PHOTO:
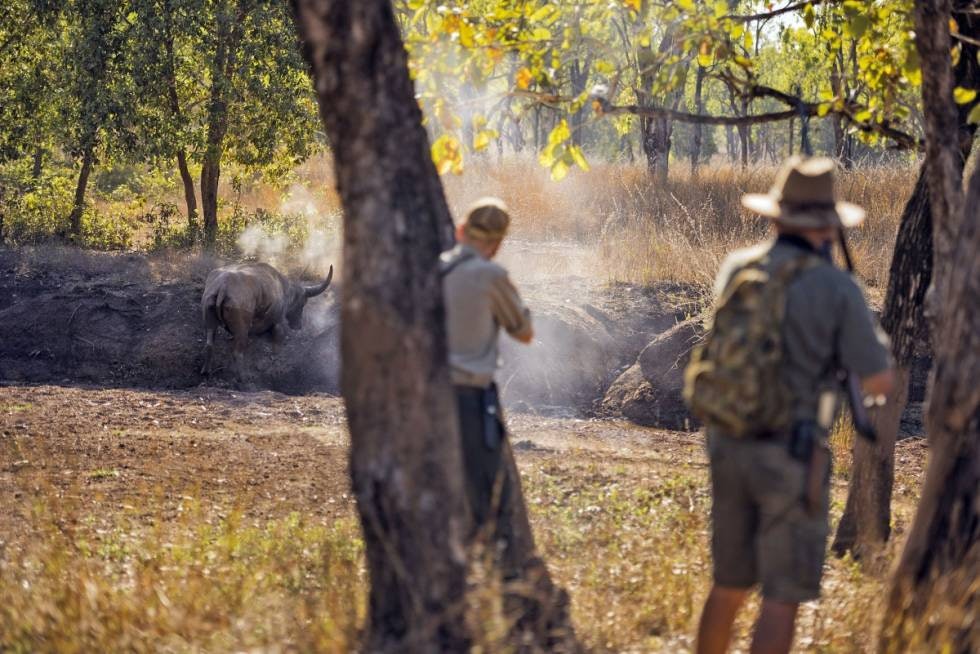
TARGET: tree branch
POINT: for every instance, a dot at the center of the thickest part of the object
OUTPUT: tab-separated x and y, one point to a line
775	12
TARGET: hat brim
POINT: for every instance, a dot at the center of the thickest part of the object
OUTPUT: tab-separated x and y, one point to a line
847	214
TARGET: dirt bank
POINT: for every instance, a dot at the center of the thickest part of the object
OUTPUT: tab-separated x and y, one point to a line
70	317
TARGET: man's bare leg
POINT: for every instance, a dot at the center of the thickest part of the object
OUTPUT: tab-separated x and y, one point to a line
774	628
719	613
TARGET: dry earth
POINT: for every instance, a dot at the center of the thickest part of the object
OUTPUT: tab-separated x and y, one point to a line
104	454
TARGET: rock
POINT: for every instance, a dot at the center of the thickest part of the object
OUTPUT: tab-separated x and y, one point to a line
650	392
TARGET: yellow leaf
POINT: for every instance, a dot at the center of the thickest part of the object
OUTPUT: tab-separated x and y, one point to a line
524	78
963	96
560	133
559	170
447	155
635	5
579	158
483	138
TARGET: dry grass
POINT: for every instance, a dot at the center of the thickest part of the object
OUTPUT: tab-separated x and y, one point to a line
679	232
627	536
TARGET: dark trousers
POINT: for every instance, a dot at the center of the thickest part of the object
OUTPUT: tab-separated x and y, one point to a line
488	489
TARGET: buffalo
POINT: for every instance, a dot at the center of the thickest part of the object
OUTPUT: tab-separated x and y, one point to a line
249	299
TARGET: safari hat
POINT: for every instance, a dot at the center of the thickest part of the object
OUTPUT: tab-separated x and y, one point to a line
487	220
804	196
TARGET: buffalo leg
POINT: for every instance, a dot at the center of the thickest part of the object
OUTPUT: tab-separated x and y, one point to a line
210	327
238	323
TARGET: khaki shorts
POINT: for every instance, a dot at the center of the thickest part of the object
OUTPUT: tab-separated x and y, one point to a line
761	531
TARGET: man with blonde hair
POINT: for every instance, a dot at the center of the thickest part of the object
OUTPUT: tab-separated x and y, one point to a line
480	300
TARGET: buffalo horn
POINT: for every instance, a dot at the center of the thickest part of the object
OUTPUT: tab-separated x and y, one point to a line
320	288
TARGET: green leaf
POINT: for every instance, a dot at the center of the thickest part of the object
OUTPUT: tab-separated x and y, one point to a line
974	116
964	96
858	26
809	16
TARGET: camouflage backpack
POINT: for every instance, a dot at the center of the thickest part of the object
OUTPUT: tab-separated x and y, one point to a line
733	381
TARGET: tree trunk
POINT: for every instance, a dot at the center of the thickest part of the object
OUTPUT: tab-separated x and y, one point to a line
656	146
188	181
405	457
863	528
78	206
38	163
228	35
697	131
656	132
174	101
579	77
935	579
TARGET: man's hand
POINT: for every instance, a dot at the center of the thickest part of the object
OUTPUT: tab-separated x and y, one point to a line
525	336
880	384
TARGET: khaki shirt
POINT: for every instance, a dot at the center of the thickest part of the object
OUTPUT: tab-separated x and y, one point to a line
828	325
480	299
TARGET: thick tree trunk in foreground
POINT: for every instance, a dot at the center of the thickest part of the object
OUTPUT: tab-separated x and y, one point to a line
934	600
406	465
78	206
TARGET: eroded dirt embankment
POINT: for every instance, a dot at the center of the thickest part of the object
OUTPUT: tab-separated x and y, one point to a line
68	316
73	317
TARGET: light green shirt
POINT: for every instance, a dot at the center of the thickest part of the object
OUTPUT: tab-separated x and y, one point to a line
480	299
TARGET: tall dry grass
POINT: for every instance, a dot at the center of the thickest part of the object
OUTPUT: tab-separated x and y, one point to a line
678	232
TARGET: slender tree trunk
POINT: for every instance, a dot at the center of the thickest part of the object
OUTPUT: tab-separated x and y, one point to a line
405	449
656	132
865	526
697	131
189	198
579	77
792	135
174	102
228	35
935	579
78	206
38	163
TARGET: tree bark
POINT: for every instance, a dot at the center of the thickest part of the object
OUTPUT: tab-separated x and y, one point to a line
38	163
656	131
228	35
78	206
864	527
405	459
173	99
697	136
935	579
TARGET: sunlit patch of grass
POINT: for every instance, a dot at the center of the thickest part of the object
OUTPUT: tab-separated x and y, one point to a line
631	544
16	407
103	473
196	584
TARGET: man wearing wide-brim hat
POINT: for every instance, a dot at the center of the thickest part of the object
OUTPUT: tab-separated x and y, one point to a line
769	518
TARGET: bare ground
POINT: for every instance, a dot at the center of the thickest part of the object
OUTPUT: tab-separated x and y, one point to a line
109	454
